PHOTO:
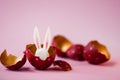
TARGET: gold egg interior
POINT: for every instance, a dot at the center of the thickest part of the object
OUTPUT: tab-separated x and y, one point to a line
62	43
101	48
8	60
51	51
32	47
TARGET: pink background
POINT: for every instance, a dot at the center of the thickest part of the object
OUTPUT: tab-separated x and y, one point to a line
79	20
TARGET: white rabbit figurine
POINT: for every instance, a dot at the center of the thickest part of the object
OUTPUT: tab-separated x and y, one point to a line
42	52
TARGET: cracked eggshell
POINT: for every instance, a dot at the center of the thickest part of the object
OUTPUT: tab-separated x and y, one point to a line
96	53
12	62
61	44
36	61
63	65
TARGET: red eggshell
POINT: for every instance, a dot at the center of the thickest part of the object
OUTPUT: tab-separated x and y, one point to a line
93	55
63	65
18	65
60	53
37	62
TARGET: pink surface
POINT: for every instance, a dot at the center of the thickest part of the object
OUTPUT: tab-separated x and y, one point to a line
78	20
81	70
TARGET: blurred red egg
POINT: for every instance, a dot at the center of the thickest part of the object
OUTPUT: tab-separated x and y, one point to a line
96	53
61	44
76	52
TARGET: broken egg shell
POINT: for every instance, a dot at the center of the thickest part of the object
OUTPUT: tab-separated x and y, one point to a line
37	62
62	44
32	47
60	53
96	53
76	52
12	62
63	65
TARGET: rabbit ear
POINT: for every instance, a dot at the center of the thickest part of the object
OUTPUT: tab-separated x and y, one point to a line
36	37
47	40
